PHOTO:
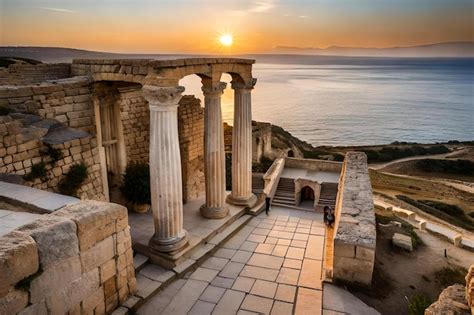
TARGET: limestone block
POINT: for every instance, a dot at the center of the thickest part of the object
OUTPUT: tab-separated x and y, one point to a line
365	253
457	240
13	302
55	237
99	254
90	303
92	218
66	299
18	259
402	241
55	278
108	270
344	250
353	270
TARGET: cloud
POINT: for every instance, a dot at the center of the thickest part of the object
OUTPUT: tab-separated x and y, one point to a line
262	7
58	10
303	16
257	7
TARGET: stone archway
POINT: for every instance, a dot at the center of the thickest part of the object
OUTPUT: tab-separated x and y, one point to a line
290	153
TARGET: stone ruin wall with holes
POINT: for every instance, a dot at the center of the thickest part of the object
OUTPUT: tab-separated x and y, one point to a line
77	260
60	113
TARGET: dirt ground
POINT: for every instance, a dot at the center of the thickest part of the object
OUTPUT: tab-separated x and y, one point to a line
399	275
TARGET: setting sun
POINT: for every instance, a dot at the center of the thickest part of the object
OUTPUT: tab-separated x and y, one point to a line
226	40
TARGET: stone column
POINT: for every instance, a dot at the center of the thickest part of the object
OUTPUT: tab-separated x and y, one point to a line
242	147
165	169
214	154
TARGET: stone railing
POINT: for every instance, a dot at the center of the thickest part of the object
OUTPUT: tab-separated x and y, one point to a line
355	229
313	165
272	177
76	260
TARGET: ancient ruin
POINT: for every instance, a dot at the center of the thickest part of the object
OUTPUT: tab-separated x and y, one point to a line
96	117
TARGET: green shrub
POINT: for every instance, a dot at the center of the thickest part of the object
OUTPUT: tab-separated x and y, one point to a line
418	304
73	180
136	183
54	153
449	275
38	170
460	167
4	111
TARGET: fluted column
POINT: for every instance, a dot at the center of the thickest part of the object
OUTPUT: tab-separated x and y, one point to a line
242	147
165	169
214	154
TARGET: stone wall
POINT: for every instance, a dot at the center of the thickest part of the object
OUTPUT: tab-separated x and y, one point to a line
69	101
23	74
313	165
470	288
136	123
355	229
77	260
24	143
191	142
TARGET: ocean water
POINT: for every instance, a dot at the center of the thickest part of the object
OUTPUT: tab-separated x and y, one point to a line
361	101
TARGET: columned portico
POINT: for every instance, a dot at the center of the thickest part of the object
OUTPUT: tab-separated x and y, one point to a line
165	169
214	154
242	146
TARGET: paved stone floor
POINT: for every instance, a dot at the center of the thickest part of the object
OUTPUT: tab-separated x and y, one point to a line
10	220
273	265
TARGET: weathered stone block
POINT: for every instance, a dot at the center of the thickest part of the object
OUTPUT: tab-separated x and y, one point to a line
55	278
402	241
55	237
353	270
91	217
98	254
18	259
365	253
35	309
344	250
74	293
13	302
108	270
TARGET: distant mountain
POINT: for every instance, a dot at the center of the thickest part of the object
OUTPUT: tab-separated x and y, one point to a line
280	55
447	49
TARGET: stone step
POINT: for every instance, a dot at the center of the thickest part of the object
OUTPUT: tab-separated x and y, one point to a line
292	206
282	197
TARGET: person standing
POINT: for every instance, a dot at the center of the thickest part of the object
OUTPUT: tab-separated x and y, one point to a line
267	204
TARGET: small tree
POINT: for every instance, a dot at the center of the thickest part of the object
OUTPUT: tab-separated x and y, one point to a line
136	183
73	180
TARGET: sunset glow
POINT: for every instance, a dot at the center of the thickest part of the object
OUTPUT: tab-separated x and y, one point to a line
226	40
171	27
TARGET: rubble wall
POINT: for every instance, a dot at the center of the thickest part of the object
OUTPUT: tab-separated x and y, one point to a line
355	229
77	260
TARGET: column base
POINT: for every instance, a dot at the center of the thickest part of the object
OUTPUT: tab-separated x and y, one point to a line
213	213
169	245
239	201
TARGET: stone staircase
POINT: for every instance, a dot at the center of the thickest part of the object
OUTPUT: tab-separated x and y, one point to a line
285	193
328	195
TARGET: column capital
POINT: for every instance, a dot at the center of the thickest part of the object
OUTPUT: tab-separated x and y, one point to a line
162	97
214	89
244	86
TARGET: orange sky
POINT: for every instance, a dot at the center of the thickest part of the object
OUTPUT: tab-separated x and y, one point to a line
191	26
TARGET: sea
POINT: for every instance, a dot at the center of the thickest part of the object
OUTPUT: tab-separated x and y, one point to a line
360	101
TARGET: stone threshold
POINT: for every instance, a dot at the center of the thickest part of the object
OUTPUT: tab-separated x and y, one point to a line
152	278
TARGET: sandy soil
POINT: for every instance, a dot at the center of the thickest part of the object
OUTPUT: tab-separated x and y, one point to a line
399	274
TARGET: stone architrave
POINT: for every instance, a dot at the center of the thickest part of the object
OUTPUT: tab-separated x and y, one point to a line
165	169
214	154
242	146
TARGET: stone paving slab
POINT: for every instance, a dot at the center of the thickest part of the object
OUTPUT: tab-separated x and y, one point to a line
10	220
37	199
251	273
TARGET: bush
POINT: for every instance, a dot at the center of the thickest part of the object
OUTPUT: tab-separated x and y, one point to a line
73	180
460	167
393	153
448	276
136	183
38	170
418	304
54	153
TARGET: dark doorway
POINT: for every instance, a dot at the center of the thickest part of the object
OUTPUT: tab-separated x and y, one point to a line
291	153
307	193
